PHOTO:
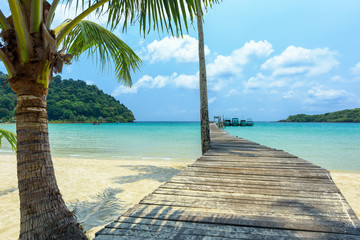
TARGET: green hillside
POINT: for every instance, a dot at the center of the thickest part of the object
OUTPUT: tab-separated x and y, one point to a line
70	101
349	115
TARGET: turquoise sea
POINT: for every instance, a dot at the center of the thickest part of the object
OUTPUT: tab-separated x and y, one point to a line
335	146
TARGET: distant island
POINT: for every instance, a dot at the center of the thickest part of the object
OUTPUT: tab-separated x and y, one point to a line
70	101
349	115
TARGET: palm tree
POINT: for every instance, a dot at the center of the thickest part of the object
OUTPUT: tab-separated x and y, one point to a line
10	137
204	111
32	52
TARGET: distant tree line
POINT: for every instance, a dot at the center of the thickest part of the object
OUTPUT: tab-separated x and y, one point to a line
70	101
349	115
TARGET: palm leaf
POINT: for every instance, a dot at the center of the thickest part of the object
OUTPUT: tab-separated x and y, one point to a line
97	41
10	137
169	15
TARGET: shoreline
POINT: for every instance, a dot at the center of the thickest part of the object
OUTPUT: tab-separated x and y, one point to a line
101	190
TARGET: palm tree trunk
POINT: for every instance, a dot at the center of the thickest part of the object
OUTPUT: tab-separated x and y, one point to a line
44	214
204	111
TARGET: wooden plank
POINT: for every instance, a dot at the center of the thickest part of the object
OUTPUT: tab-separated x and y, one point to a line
171	230
264	191
262	160
292	207
252	159
264	172
245	197
241	190
256	165
254	181
255	177
249	153
227	217
288	207
228	231
258	185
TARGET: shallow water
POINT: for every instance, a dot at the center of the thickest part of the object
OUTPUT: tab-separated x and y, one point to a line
146	141
331	145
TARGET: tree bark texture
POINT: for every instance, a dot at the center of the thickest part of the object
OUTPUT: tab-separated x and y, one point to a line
44	214
204	111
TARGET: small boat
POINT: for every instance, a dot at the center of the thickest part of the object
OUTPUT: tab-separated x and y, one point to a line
242	123
249	122
96	123
227	122
235	122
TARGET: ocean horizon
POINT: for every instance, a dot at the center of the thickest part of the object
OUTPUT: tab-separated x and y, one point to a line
334	146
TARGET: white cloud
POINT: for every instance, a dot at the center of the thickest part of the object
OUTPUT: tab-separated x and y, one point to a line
148	82
233	64
185	49
255	83
288	95
217	85
319	94
338	79
232	92
181	49
187	81
145	81
89	82
356	69
301	61
212	100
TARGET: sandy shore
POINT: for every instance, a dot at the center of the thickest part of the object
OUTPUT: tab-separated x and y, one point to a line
100	190
349	184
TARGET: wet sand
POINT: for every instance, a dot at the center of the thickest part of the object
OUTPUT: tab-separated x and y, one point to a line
101	190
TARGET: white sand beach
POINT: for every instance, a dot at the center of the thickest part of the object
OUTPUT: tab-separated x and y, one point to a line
349	184
100	190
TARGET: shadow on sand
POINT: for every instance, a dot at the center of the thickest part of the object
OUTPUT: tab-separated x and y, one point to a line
103	208
160	174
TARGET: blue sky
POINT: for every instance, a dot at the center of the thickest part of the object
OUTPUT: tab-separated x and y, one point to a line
265	60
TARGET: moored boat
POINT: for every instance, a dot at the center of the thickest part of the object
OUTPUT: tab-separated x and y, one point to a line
242	123
235	122
249	122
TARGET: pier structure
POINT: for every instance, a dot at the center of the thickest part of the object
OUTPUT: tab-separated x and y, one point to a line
241	190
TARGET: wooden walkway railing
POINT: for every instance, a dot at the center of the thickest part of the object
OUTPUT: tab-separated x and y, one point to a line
241	190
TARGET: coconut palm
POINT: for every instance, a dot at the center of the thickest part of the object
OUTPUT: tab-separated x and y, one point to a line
32	51
10	137
204	110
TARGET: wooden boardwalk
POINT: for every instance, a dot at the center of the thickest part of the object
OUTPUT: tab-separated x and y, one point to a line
241	190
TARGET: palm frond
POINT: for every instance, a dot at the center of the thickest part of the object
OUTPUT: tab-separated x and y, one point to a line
22	33
36	15
163	15
3	22
10	137
97	41
61	26
51	13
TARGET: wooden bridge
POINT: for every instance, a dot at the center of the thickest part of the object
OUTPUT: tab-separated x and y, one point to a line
241	190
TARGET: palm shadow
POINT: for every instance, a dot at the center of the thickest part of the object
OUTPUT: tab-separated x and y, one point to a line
160	174
103	208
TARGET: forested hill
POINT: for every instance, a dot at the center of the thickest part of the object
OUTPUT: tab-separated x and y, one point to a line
350	115
70	101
